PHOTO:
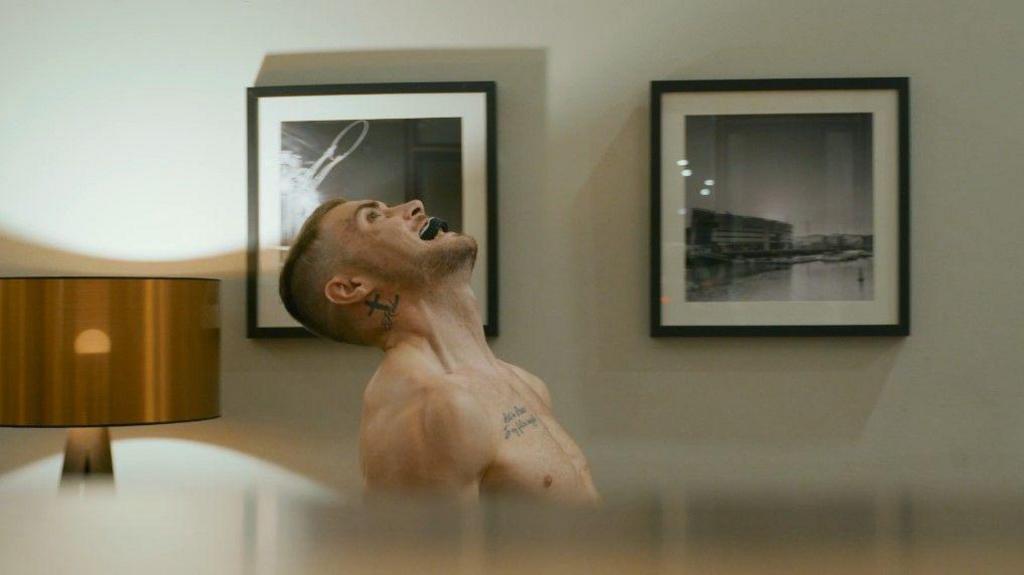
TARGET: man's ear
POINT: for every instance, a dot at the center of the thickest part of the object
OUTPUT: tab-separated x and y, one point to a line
344	290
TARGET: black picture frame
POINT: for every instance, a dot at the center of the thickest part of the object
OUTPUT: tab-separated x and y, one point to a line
487	161
701	96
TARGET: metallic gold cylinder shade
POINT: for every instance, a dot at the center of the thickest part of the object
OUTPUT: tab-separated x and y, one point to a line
85	351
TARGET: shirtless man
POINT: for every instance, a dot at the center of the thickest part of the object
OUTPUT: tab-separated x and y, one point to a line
441	414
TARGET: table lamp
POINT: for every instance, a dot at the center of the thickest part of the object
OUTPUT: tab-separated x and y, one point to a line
88	353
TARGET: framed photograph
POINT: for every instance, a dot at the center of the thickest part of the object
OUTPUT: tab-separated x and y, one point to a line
780	207
434	142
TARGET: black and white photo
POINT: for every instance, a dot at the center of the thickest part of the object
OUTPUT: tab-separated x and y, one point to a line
389	142
779	207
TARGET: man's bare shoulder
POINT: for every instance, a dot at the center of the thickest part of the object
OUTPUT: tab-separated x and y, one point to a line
421	428
436	398
536	384
399	374
455	419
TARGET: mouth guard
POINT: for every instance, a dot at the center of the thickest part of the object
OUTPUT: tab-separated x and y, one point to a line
434	225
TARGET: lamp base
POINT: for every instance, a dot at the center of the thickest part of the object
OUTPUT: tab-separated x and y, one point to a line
87	455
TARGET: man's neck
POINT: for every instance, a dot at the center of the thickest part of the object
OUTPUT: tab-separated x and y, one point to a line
444	323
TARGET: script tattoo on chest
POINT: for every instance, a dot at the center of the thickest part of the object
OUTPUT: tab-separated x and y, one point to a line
389	309
517	421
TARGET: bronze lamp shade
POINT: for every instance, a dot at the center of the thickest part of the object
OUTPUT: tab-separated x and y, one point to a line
90	352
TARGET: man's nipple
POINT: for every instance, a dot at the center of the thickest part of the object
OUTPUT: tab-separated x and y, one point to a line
547	481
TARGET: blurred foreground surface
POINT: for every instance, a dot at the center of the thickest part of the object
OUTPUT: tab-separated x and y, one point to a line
97	529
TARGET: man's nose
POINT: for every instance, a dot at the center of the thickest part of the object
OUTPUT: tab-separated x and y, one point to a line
412	209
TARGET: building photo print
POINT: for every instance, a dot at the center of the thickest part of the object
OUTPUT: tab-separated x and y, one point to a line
779	207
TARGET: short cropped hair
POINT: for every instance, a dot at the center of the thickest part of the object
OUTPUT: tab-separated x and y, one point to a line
309	265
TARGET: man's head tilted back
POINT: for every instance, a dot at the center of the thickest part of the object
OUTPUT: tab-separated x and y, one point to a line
352	258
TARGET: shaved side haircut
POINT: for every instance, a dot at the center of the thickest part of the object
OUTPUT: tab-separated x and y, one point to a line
310	264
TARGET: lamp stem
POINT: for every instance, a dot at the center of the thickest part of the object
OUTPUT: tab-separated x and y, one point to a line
87	455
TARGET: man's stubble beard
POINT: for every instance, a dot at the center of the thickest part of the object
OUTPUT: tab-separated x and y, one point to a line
442	262
457	257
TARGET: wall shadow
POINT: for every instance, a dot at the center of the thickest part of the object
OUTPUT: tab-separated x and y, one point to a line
779	391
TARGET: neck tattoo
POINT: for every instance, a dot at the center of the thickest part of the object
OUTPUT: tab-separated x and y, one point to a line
390	310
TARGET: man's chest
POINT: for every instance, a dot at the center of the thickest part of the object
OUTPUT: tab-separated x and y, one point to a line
535	454
527	450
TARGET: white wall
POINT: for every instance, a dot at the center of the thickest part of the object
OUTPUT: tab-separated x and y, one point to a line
122	150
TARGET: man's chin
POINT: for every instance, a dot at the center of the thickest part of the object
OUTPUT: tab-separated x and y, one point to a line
452	253
463	246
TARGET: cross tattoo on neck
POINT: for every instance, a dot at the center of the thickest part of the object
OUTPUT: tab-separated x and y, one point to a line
389	309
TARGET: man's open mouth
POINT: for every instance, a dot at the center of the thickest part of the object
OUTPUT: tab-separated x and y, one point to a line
432	228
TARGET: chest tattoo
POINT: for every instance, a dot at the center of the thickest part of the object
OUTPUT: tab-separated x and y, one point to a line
517	421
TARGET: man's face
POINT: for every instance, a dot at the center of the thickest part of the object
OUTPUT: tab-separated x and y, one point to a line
387	241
